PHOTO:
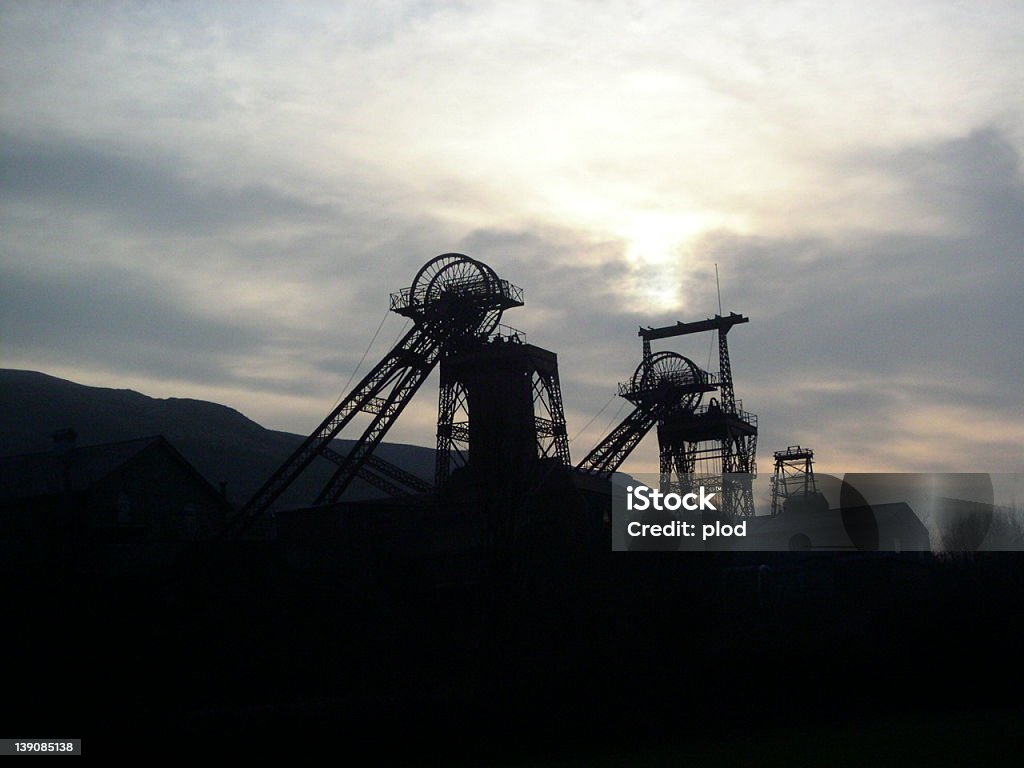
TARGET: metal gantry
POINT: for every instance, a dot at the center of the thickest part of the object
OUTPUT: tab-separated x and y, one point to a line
714	445
499	409
794	476
711	444
664	383
453	301
500	405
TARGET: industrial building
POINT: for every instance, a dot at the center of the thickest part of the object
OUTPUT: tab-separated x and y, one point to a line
131	505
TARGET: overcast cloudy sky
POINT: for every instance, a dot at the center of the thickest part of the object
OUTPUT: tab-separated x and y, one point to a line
214	200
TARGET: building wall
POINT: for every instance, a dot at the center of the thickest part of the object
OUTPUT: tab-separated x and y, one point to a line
154	493
139	517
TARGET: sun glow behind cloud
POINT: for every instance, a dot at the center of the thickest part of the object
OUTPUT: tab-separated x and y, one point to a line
642	122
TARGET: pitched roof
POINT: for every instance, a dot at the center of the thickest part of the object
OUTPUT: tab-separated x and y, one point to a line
32	475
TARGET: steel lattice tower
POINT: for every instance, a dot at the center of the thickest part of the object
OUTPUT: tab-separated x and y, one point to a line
500	408
794	476
712	445
455	303
664	383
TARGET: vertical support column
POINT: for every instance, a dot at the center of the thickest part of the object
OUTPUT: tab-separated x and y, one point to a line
666	457
450	433
732	495
552	390
725	388
445	416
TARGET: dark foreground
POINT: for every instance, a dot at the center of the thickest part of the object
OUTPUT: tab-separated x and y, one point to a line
529	658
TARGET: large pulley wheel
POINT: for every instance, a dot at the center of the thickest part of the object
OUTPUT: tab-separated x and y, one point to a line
668	376
453	287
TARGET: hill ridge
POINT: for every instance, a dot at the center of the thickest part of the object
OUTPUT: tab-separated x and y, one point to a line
222	442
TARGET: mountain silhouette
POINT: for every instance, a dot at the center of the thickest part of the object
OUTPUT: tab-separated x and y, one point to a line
223	444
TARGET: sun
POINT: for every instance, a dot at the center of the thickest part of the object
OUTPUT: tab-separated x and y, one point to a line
659	246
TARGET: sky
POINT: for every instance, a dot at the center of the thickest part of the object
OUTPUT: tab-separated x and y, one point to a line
214	200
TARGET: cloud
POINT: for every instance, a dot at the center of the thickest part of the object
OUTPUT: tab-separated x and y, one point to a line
118	318
222	197
856	334
136	194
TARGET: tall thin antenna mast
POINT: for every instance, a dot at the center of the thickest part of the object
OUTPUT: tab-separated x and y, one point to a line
711	339
718	287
